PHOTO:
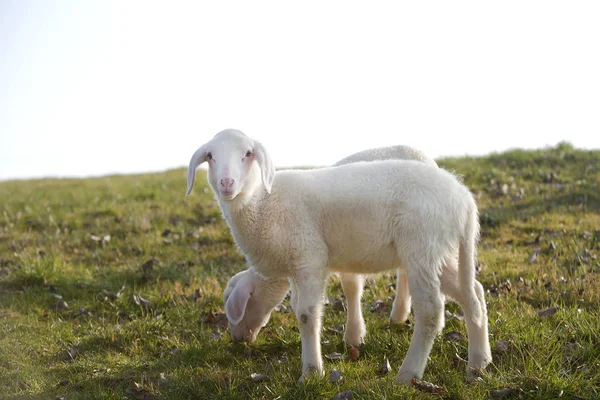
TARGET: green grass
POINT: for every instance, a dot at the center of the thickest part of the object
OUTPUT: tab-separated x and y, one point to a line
51	243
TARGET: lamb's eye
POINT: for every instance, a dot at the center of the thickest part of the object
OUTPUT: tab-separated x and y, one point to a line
209	156
248	153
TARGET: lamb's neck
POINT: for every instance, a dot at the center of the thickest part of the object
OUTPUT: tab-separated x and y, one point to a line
243	217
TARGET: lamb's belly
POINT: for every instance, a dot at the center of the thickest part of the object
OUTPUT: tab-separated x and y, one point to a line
365	260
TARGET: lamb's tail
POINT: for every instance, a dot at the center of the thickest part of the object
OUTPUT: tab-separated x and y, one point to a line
466	266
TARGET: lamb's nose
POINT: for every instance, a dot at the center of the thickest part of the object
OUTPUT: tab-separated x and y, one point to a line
227	182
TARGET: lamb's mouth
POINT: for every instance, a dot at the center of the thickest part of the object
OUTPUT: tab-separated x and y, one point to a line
228	196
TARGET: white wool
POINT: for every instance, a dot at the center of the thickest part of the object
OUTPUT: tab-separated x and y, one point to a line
364	217
257	312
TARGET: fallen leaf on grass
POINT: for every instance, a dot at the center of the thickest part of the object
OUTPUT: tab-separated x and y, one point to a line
339	329
533	257
161	381
386	368
148	266
346	395
427	386
378	307
197	294
144	223
276	362
216	335
338	305
501	346
336	376
174	220
259	377
72	352
455	335
548	312
449	315
138	393
504	392
572	351
216	319
61	305
140	301
103	239
79	312
122	317
111	296
101	371
336	356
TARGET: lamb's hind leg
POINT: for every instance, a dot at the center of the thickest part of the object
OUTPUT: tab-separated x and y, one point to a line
352	284
479	346
401	306
428	306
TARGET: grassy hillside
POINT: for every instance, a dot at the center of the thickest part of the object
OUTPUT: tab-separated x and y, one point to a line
111	288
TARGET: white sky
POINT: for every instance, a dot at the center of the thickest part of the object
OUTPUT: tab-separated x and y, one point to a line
96	87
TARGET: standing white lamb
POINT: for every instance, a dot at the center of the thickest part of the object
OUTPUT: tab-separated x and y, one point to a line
257	315
356	218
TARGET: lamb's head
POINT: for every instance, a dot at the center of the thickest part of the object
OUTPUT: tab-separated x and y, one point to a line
236	164
249	300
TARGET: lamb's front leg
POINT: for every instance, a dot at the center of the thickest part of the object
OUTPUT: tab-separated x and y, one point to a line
308	312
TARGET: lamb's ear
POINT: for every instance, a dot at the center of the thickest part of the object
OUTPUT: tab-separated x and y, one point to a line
198	158
233	281
266	165
235	308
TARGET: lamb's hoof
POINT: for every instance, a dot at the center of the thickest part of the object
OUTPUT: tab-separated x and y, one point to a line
400	314
404	378
311	373
474	375
477	365
355	334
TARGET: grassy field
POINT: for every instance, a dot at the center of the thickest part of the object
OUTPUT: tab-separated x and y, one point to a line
111	288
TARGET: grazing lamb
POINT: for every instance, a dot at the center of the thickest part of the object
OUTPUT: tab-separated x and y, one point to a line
355	218
257	315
